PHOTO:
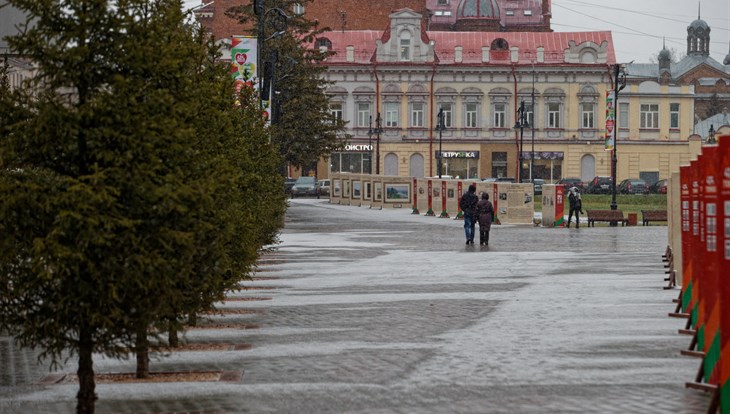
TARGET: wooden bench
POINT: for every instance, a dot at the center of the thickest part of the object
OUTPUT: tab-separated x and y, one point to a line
606	215
653	215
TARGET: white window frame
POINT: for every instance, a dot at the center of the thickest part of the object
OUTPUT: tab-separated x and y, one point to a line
337	109
499	115
364	111
418	115
392	114
587	115
623	115
649	116
674	115
404	47
298	9
471	115
553	115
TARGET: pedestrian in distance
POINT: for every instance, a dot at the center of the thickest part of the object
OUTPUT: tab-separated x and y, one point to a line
575	205
468	205
485	215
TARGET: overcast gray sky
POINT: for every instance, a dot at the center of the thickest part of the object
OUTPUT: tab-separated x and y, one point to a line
638	26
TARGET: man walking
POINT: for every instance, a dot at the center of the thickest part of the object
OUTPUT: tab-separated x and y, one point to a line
468	205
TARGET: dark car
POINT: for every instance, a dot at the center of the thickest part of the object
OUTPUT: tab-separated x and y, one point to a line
567	183
599	185
304	186
659	187
633	186
288	184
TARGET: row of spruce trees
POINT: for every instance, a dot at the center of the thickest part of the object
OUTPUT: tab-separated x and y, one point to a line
135	193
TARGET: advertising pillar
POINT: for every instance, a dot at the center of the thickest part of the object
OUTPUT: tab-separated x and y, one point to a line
415	196
444	213
723	257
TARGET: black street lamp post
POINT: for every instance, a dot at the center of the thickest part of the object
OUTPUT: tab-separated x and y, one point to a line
370	146
265	65
440	127
378	130
711	135
618	85
521	125
532	125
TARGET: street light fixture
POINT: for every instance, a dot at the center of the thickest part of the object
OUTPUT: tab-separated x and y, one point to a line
619	84
711	135
440	127
265	68
521	125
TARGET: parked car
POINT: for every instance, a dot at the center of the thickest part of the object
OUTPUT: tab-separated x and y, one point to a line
567	183
506	180
288	184
304	186
323	187
633	186
537	184
659	187
599	185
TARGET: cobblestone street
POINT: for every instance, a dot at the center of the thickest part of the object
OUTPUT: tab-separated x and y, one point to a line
382	311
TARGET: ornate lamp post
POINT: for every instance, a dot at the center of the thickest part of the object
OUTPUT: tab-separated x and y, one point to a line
370	145
711	135
378	130
521	125
618	85
265	65
440	127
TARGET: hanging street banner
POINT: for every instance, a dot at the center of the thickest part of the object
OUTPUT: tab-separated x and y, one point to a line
243	61
610	120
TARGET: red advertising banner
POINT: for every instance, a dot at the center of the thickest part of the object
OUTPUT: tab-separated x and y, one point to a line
415	196
723	257
559	206
444	213
708	333
685	197
430	199
459	193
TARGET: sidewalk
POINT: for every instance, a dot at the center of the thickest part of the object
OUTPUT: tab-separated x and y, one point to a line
381	311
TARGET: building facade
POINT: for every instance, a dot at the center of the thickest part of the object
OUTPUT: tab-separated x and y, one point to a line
405	75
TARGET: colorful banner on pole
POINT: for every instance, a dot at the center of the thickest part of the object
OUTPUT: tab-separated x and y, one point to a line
610	120
244	54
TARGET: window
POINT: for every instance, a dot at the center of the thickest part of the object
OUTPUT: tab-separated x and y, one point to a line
500	115
674	115
443	2
363	115
298	9
650	116
336	111
405	47
324	43
391	115
553	115
418	115
587	115
510	13
471	112
623	115
527	12
448	114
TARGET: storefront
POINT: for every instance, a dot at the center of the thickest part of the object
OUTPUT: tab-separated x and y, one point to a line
459	164
355	159
547	165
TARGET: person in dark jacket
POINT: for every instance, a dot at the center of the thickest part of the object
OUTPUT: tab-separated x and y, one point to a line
485	215
469	205
575	205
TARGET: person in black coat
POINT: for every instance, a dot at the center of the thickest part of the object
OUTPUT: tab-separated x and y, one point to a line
485	215
575	205
468	205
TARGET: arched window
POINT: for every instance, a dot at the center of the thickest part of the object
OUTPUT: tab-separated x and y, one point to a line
404	46
390	164
587	167
415	169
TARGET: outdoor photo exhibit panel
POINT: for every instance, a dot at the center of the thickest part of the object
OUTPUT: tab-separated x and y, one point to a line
704	204
553	214
674	225
515	203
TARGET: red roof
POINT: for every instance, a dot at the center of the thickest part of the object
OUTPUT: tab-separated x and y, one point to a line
554	44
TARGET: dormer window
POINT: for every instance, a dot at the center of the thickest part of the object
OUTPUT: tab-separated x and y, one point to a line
405	46
324	44
298	9
528	12
443	2
509	12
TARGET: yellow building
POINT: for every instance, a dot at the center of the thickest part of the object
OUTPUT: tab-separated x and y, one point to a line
391	86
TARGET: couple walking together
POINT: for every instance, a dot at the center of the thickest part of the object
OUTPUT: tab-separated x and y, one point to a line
477	210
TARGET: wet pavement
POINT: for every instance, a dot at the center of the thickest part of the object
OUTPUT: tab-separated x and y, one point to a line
382	311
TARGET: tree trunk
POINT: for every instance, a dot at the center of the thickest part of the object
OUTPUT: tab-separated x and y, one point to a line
172	339
87	388
143	350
